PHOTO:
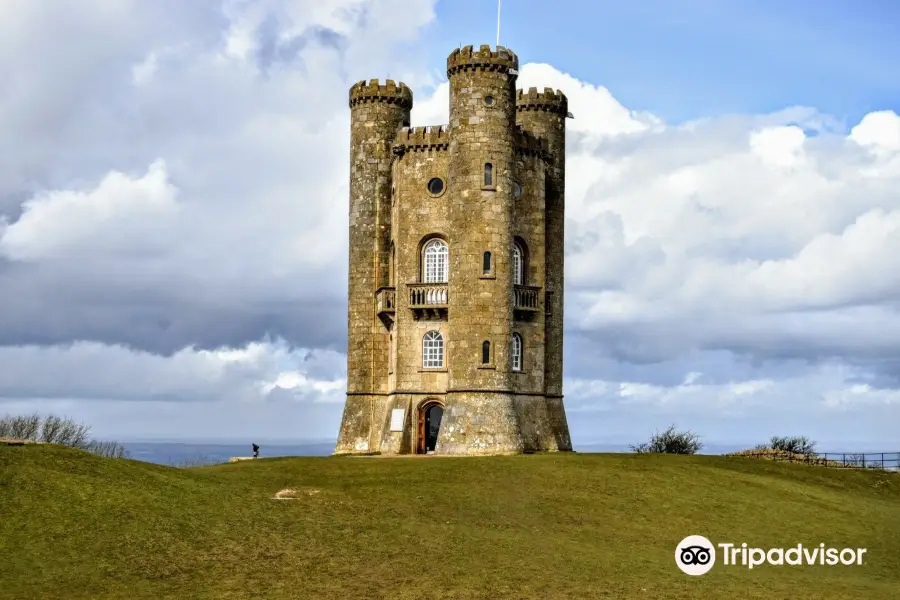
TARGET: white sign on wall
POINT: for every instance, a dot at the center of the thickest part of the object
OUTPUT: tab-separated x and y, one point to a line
397	419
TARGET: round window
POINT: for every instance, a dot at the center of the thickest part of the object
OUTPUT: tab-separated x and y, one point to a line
489	100
435	186
517	190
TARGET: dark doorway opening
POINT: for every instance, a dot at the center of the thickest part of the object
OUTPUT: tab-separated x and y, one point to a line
429	426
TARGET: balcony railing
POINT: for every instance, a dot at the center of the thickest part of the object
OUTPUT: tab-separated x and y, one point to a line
427	295
386	305
428	300
386	300
525	298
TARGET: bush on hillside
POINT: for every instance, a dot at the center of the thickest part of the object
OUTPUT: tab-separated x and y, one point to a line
671	441
797	444
52	429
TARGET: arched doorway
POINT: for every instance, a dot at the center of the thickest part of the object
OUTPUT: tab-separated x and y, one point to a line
430	414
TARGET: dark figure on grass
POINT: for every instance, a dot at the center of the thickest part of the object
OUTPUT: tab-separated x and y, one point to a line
255	451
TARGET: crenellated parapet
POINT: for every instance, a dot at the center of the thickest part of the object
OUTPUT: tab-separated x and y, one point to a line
548	101
389	93
527	144
484	59
417	139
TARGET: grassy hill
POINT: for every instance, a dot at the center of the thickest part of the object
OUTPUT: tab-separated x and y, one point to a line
74	525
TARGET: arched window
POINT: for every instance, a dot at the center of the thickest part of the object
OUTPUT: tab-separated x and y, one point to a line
516	352
436	261
488	174
433	350
486	265
486	353
518	265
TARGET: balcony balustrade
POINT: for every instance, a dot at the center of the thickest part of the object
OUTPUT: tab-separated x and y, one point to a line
525	301
386	305
428	300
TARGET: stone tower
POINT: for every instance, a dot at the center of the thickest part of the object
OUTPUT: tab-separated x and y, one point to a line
455	323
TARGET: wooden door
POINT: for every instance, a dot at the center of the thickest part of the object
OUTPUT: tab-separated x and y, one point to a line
420	438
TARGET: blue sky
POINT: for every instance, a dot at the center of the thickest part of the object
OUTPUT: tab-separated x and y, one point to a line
173	209
688	59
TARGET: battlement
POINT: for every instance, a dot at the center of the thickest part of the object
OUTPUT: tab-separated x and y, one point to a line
463	59
389	93
414	139
530	145
548	100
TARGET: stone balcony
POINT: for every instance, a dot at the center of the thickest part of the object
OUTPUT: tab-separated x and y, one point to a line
525	301
386	304
428	300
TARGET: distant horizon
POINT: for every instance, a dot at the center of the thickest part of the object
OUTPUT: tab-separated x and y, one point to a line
829	446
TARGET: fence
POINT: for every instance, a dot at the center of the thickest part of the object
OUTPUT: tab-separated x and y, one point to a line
845	460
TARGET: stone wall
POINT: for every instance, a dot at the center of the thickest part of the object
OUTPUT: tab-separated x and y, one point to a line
528	229
377	111
480	423
482	131
419	216
544	115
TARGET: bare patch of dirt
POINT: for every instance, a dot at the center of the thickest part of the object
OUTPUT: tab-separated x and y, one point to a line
5	441
294	494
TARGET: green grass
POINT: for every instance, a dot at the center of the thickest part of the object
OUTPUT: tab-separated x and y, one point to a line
74	525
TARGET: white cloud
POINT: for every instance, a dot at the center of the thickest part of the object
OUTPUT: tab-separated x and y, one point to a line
861	394
172	188
91	371
596	112
142	73
122	208
879	130
779	146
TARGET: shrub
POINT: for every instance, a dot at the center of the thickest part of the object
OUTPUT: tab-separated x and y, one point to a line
797	444
670	441
52	429
23	427
854	460
107	449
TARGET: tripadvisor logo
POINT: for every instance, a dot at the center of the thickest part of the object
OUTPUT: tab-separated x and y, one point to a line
696	555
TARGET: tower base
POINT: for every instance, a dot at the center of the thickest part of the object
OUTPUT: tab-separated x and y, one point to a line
471	424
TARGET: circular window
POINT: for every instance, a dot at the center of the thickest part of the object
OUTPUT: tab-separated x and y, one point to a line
489	100
436	186
517	190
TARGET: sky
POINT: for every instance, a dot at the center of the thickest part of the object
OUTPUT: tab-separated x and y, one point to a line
174	204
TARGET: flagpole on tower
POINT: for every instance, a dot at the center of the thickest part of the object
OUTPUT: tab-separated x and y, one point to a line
498	21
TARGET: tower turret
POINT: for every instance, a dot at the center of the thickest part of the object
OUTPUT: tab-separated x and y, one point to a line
377	112
482	134
544	114
482	160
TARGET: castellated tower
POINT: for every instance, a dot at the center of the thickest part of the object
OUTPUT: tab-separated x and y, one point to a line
455	317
